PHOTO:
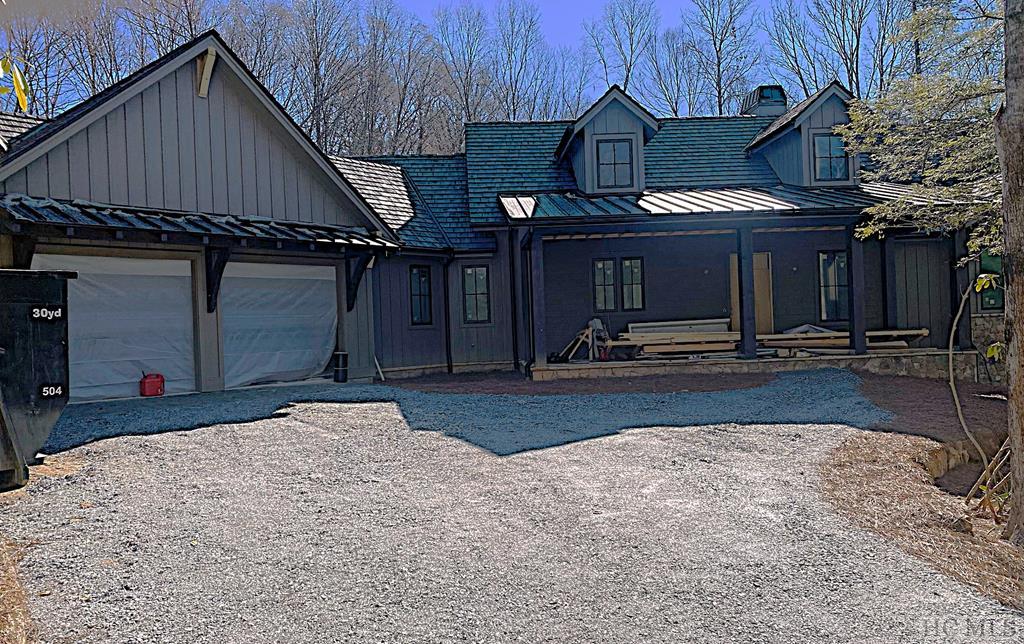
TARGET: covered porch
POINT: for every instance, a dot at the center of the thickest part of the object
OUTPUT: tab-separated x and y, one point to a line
730	289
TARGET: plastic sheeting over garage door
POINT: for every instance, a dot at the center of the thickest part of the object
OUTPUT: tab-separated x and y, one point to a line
127	317
278	321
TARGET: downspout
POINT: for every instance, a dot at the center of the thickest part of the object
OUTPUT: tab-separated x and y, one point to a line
448	314
512	251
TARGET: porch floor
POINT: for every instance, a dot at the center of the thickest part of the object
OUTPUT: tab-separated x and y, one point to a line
922	363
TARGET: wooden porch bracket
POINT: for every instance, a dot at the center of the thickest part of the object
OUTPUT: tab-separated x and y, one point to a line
355	269
540	356
215	258
855	279
748	315
204	69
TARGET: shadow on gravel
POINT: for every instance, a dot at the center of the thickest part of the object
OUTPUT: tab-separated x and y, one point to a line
501	424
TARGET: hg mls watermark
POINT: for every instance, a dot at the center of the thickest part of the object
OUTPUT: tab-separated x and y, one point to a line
959	628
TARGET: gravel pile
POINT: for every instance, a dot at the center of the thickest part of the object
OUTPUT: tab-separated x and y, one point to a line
331	521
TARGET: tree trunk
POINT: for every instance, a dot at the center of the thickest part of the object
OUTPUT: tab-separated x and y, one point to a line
1010	139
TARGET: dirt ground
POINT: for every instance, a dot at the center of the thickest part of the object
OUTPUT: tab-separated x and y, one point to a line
880	482
516	384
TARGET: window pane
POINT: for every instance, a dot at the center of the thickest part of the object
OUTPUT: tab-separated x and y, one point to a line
821	146
623	176
839	168
824	167
481	280
834	290
606	176
605	152
991	263
483	309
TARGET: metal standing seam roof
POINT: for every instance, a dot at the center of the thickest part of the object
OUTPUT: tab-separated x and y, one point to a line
778	199
17	210
441	181
395	200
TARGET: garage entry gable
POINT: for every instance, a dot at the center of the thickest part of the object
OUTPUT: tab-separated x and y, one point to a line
193	131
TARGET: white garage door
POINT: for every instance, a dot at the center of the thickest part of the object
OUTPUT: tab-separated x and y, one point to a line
126	317
278	321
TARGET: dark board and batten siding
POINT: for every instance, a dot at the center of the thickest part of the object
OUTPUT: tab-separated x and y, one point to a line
483	345
168	148
400	343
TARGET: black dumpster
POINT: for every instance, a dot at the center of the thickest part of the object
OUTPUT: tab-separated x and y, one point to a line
33	365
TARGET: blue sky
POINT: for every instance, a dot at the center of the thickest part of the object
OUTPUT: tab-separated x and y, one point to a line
562	20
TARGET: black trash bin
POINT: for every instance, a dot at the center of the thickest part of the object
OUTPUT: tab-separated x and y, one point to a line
33	365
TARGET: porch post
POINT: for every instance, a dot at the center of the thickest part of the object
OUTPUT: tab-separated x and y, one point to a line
540	356
855	279
745	270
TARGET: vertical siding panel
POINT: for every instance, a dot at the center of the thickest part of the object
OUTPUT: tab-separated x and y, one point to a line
304	209
277	180
247	135
37	177
233	159
99	171
291	189
204	186
185	79
169	140
264	181
153	146
117	147
60	177
17	182
78	157
218	147
135	150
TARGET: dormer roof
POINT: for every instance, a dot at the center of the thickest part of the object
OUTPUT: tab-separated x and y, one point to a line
799	112
614	93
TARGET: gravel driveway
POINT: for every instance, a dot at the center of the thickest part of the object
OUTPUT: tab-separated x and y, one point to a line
438	517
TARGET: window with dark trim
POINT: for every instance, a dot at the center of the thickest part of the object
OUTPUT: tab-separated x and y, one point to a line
834	285
830	160
992	298
476	295
420	295
604	285
632	284
615	163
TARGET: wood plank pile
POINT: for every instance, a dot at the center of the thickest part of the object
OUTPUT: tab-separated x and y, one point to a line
786	344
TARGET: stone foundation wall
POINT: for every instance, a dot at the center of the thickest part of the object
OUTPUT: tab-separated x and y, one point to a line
920	364
987	328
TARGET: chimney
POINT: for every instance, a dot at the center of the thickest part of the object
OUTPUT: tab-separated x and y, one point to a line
765	100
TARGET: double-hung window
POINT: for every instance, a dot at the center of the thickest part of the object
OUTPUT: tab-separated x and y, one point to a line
830	160
632	284
834	286
615	163
604	285
420	295
992	298
476	295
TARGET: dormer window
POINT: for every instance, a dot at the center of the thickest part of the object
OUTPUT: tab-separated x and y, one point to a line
615	164
830	160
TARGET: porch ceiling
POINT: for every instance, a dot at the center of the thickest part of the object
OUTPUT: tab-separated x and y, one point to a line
777	200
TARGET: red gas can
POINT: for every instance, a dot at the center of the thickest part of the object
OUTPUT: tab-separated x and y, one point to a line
152	384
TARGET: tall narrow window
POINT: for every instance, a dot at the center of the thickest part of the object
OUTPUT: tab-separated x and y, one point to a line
615	163
834	283
476	295
604	284
992	298
632	284
830	160
420	296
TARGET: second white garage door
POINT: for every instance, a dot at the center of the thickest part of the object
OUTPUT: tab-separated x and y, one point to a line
278	321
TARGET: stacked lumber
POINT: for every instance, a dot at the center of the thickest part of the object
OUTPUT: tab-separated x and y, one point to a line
831	342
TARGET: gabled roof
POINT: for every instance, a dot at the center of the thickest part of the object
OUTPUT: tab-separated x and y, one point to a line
614	93
792	117
39	140
395	200
14	125
441	181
